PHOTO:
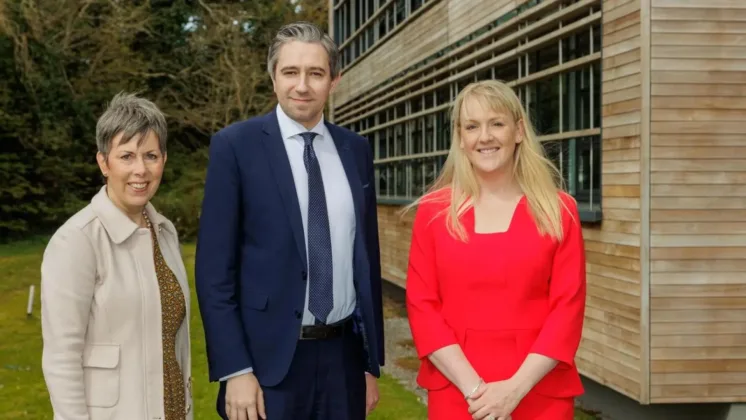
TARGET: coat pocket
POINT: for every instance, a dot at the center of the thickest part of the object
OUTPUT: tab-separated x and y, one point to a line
101	375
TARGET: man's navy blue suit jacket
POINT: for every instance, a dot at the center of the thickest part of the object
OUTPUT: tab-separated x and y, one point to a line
251	258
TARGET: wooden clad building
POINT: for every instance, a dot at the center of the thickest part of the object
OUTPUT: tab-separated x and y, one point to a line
641	104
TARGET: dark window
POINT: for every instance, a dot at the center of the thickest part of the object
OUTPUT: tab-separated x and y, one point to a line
418	178
415	129
383	144
401	11
400	176
444	130
430	133
544	105
577	99
543	59
507	72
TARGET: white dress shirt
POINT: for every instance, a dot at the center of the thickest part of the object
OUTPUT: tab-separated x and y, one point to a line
339	206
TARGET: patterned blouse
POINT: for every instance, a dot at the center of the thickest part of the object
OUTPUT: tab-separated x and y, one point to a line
173	311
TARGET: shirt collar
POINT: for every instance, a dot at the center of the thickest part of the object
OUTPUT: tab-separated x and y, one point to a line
290	127
117	224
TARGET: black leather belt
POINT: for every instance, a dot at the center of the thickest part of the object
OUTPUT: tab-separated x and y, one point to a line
322	332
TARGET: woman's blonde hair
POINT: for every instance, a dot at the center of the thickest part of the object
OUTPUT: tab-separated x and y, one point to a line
536	175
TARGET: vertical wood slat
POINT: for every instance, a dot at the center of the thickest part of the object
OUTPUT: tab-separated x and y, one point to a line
645	49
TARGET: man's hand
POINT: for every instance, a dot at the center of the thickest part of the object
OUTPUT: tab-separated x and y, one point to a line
244	399
371	393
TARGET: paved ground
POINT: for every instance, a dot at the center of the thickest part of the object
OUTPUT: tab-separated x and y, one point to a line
401	358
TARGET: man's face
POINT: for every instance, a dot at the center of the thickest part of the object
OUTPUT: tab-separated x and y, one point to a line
303	82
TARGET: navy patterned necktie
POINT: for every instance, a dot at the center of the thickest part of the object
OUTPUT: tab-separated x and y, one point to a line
320	299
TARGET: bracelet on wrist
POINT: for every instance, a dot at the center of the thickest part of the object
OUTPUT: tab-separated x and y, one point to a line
467	396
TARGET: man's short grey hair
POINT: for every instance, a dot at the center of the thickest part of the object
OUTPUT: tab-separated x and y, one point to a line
303	32
132	116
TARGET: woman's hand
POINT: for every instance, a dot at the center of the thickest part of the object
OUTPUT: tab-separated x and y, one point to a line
498	399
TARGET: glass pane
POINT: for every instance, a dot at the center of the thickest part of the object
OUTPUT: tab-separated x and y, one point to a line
415	105
588	169
577	100
507	72
545	110
544	58
429	100
382	25
383	143
596	94
400	180
418	183
416	133
429	133
444	131
400	143
431	172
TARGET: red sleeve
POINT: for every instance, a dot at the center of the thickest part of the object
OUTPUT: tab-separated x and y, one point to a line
429	330
560	336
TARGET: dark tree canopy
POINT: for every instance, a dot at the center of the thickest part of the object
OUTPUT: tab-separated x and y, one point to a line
203	63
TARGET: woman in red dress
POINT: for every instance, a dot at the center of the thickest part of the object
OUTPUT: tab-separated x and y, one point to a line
496	277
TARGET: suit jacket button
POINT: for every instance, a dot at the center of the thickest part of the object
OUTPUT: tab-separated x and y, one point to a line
305	275
298	314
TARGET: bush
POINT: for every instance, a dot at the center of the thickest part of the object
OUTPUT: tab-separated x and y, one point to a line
181	199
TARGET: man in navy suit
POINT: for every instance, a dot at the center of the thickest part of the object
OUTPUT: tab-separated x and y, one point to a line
288	273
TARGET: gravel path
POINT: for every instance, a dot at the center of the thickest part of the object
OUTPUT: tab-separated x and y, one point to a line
401	358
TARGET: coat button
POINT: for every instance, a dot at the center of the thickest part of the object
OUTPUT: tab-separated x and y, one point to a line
298	314
304	275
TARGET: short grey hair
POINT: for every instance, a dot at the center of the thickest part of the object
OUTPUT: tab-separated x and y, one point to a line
303	32
130	115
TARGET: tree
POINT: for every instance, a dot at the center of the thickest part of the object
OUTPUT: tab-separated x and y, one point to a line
202	62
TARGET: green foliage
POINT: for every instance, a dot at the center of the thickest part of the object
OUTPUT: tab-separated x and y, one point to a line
181	200
203	63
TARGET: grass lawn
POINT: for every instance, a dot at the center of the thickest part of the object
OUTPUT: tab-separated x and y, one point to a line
23	393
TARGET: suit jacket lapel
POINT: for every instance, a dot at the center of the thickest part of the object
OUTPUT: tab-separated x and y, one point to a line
353	176
275	146
356	187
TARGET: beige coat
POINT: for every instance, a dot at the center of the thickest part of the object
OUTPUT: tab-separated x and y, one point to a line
101	316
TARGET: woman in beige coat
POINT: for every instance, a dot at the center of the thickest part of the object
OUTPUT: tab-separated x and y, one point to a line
115	298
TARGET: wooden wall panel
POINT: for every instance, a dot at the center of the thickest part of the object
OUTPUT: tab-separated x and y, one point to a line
698	201
444	23
611	348
395	234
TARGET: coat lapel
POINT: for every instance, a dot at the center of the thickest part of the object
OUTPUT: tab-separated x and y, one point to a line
280	165
353	176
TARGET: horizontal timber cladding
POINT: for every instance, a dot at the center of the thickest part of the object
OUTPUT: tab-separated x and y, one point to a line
587	111
613	349
698	201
